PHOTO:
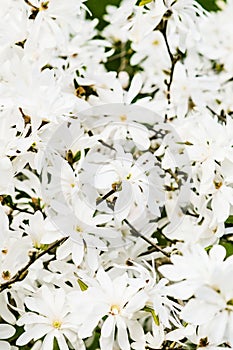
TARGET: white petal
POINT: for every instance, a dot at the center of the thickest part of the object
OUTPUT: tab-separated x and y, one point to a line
221	207
123	202
24	338
48	342
122	335
4	345
61	342
139	135
217	253
108	326
135	87
137	302
6	331
77	253
92	258
107	342
198	312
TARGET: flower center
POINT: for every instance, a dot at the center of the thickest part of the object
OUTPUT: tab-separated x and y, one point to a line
115	310
217	184
123	118
57	324
78	229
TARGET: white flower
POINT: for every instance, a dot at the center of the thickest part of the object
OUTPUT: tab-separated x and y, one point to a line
50	318
116	299
88	233
131	178
40	230
192	269
212	309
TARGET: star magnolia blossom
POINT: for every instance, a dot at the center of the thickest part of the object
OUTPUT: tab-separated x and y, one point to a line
211	306
116	175
116	299
50	317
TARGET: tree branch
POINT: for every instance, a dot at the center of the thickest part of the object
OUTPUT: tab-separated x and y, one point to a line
174	59
139	234
22	273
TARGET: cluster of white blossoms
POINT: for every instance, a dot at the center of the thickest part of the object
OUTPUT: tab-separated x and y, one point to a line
116	185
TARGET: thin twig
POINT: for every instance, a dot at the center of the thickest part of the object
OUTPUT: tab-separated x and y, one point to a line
137	233
106	145
101	199
174	59
21	274
30	4
219	116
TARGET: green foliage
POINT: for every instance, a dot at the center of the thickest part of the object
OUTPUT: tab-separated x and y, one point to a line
144	2
55	344
95	344
228	246
82	285
229	220
209	5
98	9
152	311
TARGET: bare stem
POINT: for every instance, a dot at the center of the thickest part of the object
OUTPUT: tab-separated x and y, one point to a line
22	273
174	59
139	234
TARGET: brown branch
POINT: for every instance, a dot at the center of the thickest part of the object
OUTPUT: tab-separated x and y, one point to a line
22	273
139	234
174	59
101	199
220	116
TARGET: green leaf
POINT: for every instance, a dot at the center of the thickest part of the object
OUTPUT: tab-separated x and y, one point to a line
83	286
144	2
207	249
152	311
77	157
229	220
95	343
55	344
228	246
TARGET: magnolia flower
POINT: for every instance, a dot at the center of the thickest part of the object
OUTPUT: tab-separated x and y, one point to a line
130	177
212	308
117	300
192	270
182	15
49	317
40	230
52	22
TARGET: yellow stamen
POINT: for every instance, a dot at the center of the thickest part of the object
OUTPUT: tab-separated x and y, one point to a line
114	310
217	184
123	118
57	324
